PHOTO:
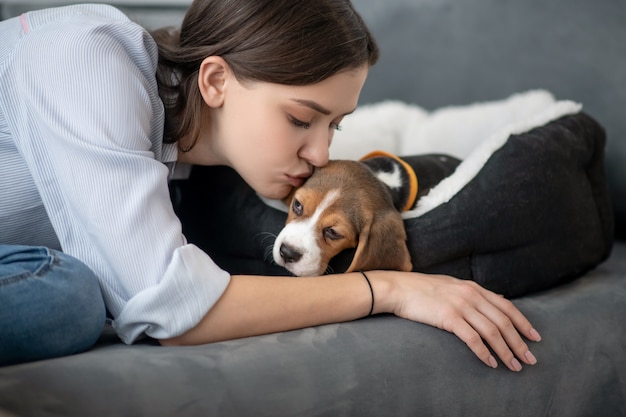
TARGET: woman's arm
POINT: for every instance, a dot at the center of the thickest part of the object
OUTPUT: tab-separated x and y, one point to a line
253	305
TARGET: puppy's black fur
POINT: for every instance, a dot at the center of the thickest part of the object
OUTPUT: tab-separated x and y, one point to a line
430	170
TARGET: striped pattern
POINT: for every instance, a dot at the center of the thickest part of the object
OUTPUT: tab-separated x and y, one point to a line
83	167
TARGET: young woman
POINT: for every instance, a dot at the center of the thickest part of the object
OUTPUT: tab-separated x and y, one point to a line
94	115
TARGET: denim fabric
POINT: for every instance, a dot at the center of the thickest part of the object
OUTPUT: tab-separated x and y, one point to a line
50	304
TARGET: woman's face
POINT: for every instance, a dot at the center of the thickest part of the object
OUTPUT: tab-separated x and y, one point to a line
273	135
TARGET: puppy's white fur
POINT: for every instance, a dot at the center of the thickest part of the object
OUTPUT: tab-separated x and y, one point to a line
301	236
392	179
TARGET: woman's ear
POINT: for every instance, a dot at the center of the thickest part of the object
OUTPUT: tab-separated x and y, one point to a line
213	77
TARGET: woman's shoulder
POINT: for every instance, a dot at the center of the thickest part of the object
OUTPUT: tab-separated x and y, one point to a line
85	65
78	15
90	26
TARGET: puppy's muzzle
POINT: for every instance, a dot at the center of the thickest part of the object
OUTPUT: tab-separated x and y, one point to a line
289	254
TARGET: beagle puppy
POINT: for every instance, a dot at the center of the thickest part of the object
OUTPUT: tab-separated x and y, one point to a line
356	204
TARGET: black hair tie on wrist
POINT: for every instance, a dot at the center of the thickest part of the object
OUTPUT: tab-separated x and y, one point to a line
371	291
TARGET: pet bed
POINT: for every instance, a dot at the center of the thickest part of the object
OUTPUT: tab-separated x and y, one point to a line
527	208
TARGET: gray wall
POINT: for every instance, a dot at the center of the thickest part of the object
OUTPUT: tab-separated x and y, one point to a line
453	52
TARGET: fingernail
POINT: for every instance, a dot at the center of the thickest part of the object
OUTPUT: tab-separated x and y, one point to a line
534	334
493	362
531	358
516	365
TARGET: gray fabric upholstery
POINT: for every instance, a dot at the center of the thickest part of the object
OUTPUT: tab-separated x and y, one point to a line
434	53
381	366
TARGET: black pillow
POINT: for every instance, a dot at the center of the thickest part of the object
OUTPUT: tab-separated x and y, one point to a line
537	214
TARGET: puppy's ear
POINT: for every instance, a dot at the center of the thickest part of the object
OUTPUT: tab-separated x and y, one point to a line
382	244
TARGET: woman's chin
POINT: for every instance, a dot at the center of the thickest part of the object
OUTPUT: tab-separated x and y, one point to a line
275	193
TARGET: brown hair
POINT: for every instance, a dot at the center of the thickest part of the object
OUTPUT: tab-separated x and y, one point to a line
290	42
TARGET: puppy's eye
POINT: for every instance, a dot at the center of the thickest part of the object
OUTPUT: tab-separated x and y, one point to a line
297	207
331	234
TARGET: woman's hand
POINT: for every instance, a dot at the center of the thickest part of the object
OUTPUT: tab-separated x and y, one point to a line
477	316
253	305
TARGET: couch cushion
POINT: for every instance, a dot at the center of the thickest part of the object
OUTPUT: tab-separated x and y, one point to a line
380	366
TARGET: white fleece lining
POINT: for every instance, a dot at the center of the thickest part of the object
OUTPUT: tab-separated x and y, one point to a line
471	165
471	132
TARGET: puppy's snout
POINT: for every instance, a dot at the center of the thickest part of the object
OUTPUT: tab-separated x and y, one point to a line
289	254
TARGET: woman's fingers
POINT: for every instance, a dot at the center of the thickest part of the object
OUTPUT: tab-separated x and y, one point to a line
481	318
498	323
511	322
504	340
520	322
464	331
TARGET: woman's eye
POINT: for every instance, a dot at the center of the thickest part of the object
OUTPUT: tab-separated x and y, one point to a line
299	123
297	208
331	234
335	126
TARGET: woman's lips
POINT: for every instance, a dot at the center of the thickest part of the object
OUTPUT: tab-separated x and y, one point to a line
298	180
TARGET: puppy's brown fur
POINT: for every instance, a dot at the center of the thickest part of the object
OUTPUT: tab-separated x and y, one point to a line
362	216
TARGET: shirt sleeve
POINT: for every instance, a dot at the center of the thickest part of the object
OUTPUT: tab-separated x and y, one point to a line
89	124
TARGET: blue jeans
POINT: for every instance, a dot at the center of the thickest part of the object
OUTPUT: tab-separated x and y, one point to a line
50	304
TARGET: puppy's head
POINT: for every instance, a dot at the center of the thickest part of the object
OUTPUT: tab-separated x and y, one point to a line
342	205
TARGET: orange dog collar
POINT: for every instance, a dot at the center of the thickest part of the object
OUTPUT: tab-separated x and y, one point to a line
413	183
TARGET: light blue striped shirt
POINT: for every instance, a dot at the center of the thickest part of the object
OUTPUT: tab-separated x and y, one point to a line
83	167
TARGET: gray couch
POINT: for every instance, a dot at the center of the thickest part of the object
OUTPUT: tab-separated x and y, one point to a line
435	53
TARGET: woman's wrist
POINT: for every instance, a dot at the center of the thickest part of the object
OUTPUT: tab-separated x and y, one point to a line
382	289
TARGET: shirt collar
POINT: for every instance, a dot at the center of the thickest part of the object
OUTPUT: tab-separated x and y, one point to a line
169	152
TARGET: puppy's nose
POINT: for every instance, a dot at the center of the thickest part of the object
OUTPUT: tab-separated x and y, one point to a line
289	254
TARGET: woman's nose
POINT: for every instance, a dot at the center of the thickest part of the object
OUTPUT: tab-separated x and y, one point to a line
316	150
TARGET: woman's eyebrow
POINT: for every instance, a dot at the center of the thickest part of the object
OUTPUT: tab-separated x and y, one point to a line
315	106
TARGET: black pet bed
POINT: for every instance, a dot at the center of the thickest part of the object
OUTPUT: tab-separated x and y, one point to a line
526	210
